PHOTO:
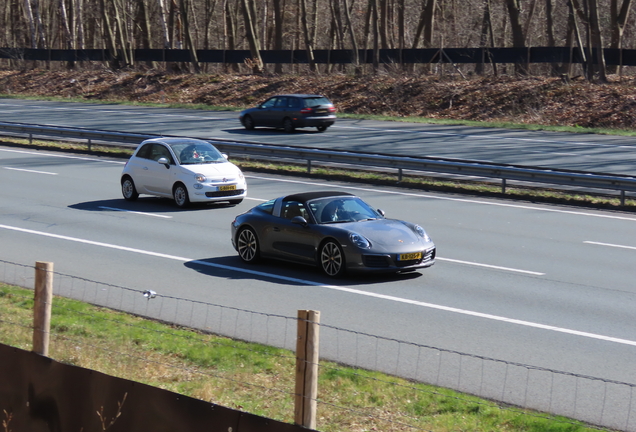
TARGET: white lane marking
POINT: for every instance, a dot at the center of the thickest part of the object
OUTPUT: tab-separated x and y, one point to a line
466	200
136	212
337	288
29	108
611	245
64	156
417	195
30	171
486	136
491	266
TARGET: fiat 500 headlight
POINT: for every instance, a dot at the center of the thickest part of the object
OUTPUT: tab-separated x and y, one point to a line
200	178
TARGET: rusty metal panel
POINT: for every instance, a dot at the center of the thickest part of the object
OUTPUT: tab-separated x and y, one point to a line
43	395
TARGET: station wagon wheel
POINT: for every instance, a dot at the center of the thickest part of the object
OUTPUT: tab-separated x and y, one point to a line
332	260
128	189
248	122
180	194
288	126
321	128
247	246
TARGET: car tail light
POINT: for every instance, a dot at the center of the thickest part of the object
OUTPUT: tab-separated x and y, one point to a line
332	109
306	110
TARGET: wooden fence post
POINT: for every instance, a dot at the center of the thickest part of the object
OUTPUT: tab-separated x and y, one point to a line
307	368
42	307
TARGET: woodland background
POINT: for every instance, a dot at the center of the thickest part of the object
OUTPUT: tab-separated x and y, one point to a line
585	95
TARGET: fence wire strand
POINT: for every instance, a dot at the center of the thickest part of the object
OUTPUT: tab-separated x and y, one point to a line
198	322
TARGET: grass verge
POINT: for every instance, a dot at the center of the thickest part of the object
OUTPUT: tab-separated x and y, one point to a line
252	377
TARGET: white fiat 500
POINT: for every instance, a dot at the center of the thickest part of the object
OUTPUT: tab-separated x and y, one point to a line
185	169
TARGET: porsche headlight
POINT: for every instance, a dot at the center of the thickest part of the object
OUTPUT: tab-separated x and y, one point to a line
359	241
200	178
420	231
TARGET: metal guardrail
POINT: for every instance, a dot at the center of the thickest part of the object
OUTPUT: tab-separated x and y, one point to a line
576	179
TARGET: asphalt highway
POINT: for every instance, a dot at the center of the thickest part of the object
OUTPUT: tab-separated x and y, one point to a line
529	284
586	152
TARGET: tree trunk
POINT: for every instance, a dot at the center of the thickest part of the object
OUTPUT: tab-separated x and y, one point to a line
518	37
194	61
307	36
256	61
110	37
354	44
79	24
376	37
67	31
597	39
574	10
279	7
618	19
31	23
164	25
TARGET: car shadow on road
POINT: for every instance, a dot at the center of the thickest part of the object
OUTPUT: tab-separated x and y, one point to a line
231	267
270	131
151	205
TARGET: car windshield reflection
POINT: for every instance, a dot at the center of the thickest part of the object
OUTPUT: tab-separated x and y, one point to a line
194	154
341	210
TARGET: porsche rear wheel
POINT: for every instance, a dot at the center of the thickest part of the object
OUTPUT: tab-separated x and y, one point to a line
332	260
247	246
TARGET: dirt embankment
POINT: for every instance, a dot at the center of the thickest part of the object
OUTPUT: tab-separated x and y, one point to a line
535	100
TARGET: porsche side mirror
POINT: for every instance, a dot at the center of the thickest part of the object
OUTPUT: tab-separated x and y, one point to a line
381	212
299	220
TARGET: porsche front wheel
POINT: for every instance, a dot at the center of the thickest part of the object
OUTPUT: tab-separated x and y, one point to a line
332	260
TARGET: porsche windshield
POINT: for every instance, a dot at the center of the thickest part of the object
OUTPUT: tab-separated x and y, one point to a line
341	209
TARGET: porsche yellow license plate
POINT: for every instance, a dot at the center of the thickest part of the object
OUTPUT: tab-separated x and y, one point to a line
410	256
227	188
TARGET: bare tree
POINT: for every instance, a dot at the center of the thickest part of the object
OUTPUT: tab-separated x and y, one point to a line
279	7
252	38
164	24
596	38
309	40
618	20
194	61
31	23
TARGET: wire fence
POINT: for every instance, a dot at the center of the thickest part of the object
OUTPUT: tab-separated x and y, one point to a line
229	355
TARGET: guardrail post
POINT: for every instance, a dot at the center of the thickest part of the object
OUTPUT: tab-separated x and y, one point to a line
400	174
89	144
30	139
307	368
42	307
503	185
622	198
308	166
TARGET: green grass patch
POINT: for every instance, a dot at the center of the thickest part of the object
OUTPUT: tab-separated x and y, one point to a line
252	377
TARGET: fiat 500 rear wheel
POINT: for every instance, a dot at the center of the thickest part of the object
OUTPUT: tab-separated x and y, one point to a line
332	260
247	245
